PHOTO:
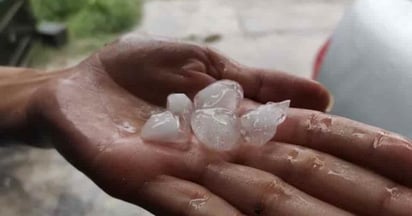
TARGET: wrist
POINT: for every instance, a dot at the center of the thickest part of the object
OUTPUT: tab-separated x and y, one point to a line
17	89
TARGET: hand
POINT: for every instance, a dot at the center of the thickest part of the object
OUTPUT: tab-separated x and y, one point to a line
316	165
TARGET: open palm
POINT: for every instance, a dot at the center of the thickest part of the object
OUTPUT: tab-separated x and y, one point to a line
316	165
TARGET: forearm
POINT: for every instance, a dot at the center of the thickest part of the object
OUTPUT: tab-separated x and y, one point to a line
17	86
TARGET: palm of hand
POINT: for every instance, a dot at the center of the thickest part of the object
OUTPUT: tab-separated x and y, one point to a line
97	109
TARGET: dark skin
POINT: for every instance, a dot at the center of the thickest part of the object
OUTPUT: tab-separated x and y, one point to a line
316	165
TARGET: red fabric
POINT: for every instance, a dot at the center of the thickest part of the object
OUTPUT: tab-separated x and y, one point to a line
319	59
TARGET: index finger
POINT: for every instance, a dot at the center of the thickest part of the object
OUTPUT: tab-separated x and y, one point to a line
385	152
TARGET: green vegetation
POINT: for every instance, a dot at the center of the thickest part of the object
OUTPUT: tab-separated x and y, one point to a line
91	24
57	10
89	17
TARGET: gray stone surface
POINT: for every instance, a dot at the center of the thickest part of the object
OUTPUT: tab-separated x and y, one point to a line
277	34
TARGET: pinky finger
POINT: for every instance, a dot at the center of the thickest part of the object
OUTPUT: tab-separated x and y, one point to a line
167	195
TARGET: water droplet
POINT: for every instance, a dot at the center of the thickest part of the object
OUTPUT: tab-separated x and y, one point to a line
340	175
377	141
393	191
198	203
292	155
317	163
359	135
321	124
127	127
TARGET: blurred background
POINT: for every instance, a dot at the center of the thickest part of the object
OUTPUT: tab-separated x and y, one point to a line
43	33
51	34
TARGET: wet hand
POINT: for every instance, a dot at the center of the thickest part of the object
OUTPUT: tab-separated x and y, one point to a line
316	165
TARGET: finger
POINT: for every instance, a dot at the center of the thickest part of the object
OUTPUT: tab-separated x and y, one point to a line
265	85
190	81
166	195
331	179
256	192
382	151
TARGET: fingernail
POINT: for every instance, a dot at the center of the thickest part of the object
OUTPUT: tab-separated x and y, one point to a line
331	103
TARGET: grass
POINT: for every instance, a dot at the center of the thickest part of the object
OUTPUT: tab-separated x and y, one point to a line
86	18
91	24
56	10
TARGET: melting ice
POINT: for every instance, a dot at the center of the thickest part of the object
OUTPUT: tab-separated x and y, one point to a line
164	127
221	94
217	128
258	126
213	118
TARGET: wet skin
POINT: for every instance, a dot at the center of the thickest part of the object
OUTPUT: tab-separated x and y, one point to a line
317	164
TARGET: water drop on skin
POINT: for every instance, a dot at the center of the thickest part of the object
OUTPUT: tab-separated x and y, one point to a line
127	127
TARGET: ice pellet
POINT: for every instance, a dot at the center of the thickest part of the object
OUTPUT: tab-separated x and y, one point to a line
164	127
258	126
213	119
179	104
216	128
182	106
221	94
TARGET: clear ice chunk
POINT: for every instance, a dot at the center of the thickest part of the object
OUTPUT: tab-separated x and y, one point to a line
180	105
213	119
259	126
216	128
164	127
221	94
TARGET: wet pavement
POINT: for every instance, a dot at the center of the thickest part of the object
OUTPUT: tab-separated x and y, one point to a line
275	34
